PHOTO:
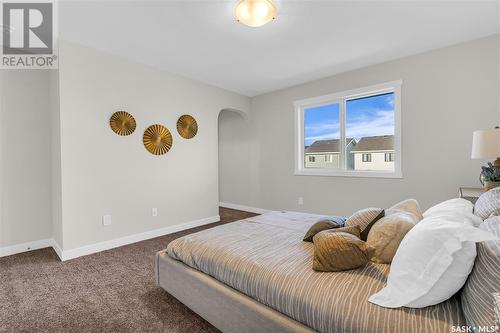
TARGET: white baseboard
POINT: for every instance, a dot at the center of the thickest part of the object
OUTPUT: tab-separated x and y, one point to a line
244	208
25	247
106	245
57	248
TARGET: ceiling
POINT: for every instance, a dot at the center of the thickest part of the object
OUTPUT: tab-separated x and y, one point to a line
308	40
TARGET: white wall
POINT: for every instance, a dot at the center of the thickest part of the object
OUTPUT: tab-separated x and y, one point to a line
25	157
103	173
446	94
55	126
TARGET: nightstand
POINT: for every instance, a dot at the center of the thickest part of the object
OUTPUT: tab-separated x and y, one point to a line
470	193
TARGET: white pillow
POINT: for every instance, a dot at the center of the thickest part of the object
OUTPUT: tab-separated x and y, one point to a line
457	205
432	262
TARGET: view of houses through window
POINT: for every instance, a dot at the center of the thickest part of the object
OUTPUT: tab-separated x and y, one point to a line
368	129
322	136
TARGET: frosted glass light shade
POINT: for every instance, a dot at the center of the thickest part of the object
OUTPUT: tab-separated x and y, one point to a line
255	13
486	143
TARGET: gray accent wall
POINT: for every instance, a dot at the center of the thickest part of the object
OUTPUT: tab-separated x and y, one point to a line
446	95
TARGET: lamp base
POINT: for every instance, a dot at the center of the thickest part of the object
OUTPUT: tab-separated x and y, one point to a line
496	163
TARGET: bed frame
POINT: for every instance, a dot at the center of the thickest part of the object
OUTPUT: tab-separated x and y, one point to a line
222	306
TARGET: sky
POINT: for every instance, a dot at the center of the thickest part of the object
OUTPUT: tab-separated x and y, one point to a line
367	116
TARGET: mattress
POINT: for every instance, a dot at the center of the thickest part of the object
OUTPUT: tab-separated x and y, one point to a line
265	258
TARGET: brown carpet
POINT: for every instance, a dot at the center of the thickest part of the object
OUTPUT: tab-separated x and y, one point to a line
110	291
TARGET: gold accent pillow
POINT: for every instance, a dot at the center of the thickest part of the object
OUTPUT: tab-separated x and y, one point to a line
365	219
339	250
387	233
324	224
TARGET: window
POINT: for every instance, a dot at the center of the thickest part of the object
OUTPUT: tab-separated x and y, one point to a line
322	133
356	131
312	159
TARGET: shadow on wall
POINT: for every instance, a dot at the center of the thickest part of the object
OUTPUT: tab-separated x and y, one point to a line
238	159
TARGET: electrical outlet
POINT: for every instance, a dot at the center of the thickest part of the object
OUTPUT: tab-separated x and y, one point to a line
154	212
106	220
301	201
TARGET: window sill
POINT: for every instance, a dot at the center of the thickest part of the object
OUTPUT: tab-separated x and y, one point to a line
348	173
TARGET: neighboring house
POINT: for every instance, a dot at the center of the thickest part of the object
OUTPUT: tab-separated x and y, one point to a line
326	154
374	153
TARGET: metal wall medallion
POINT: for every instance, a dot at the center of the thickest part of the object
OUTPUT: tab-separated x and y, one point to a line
187	126
157	139
122	123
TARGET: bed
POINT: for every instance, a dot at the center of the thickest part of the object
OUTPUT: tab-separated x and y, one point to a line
255	275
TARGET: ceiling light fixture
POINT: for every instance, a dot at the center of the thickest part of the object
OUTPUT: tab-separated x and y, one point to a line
255	13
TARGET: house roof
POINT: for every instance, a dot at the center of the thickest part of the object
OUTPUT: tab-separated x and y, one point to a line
326	146
374	143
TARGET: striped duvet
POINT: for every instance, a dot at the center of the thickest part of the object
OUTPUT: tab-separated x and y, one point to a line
265	258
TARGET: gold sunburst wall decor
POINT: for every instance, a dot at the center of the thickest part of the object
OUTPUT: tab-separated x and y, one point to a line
157	139
187	126
122	123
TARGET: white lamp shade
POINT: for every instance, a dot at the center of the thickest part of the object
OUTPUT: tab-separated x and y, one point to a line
486	144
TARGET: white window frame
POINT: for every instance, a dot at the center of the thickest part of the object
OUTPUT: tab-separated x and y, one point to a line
341	98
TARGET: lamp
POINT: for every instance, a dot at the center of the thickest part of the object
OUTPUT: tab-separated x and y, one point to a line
255	13
486	144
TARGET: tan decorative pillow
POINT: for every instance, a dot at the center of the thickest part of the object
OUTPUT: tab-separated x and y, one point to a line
354	230
387	233
336	250
409	205
365	218
324	224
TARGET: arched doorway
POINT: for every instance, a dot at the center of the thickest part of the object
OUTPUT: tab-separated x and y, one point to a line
238	159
